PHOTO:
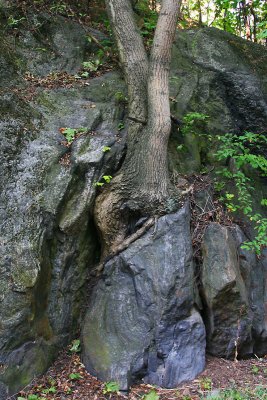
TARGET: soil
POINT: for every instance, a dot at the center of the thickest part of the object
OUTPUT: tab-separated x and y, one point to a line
67	379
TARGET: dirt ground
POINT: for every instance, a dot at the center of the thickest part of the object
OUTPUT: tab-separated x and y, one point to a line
67	379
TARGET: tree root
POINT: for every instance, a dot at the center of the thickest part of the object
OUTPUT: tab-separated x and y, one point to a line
126	243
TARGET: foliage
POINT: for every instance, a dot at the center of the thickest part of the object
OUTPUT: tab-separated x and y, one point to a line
258	393
13	22
121	126
244	155
152	395
106	178
91	66
205	383
255	370
52	389
244	151
148	20
111	387
120	97
247	19
58	7
190	120
75	376
70	133
99	59
75	346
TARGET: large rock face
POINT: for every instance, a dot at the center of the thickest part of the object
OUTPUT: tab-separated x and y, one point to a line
228	316
141	321
222	76
234	292
48	239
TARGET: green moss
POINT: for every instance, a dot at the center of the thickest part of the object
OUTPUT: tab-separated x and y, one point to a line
34	362
99	350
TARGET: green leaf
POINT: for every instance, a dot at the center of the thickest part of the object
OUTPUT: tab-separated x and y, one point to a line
105	149
52	389
111	387
152	395
121	126
180	147
75	376
229	196
107	178
91	65
82	130
76	346
33	397
69	134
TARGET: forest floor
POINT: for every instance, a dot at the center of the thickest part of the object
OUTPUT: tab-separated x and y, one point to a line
222	379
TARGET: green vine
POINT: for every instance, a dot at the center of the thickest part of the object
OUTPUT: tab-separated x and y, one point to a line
245	153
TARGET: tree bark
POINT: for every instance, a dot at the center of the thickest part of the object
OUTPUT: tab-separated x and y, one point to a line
142	186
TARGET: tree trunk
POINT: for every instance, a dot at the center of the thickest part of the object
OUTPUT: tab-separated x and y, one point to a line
142	186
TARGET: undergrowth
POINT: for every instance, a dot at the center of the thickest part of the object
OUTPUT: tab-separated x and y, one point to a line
241	163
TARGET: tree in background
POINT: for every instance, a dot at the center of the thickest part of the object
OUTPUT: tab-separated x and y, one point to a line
245	18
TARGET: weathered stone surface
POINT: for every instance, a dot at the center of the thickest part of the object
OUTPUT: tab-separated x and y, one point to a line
141	320
48	240
222	76
228	315
47	236
253	272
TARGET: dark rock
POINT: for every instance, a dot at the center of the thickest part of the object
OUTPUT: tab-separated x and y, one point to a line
3	391
141	320
253	272
220	75
228	315
26	362
48	239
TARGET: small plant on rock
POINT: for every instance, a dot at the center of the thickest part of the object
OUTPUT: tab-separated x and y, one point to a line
106	178
75	346
70	133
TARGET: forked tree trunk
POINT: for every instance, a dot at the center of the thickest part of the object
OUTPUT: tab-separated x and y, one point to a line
142	187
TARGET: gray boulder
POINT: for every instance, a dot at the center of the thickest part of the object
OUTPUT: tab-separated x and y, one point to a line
253	271
228	315
141	321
